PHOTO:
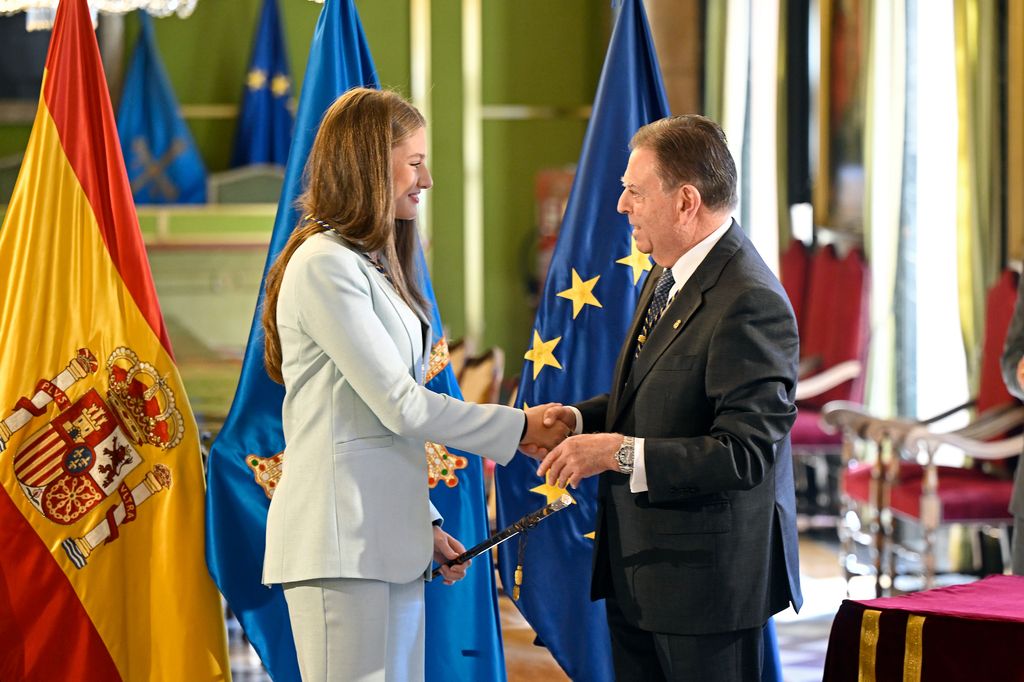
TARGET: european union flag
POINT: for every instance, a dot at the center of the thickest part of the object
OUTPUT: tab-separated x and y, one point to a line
164	166
463	640
590	295
593	282
265	122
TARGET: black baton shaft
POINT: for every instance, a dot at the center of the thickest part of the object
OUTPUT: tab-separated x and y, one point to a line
523	524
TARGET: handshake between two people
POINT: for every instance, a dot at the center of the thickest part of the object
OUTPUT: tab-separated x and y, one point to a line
546	427
566	459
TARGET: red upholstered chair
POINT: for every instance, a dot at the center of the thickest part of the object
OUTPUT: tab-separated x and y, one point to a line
794	266
835	332
833	349
901	479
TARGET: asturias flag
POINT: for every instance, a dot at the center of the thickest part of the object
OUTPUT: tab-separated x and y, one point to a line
463	636
164	166
265	122
463	623
101	518
595	276
245	459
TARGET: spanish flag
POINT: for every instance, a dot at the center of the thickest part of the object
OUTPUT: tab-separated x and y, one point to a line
102	575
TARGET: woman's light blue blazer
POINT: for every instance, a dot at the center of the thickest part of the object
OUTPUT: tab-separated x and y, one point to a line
353	498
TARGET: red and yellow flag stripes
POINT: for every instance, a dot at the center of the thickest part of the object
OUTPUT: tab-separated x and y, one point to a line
102	575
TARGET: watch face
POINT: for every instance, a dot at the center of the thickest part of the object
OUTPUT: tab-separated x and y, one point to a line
624	458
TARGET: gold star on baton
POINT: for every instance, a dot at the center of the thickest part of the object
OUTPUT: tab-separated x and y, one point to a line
542	353
550	492
256	79
280	84
637	260
581	293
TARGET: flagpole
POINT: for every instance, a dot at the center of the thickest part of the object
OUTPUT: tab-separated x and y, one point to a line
420	39
472	155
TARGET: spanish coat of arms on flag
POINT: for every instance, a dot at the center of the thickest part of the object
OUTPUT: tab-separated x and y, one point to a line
102	574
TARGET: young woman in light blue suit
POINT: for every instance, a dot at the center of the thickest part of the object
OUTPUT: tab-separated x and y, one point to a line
351	532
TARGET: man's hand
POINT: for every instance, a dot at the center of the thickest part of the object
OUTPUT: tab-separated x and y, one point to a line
545	428
581	457
446	547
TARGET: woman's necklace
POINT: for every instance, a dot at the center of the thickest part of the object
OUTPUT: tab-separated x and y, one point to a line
373	260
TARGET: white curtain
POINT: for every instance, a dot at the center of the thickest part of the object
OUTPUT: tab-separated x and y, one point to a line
883	165
748	111
941	362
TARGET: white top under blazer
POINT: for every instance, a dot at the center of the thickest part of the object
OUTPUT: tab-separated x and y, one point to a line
353	500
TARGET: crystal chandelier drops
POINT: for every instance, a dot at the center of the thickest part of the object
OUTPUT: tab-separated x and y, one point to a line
39	13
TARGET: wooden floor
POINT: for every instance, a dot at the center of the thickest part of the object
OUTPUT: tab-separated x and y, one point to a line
525	662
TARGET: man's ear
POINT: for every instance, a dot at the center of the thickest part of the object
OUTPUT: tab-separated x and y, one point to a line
688	202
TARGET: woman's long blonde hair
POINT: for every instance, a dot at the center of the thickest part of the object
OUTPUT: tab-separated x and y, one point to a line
349	187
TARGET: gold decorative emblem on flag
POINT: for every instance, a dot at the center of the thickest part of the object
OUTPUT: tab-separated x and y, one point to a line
266	470
442	465
82	455
439	359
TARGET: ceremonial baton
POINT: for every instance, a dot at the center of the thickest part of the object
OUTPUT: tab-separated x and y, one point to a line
522	525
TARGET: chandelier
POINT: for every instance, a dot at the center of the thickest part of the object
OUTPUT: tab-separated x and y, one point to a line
39	13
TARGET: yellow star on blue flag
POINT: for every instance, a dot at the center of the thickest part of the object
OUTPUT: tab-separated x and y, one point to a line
637	260
581	293
542	354
255	79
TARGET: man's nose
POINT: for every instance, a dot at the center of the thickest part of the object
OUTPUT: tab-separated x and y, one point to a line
623	205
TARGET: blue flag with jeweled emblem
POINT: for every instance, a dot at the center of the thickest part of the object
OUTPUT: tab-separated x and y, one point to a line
463	640
265	120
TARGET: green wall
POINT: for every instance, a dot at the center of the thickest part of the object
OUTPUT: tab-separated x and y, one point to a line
446	248
536	53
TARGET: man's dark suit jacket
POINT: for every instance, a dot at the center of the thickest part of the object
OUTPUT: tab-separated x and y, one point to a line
711	546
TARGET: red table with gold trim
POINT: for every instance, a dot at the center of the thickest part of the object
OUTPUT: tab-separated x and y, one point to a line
970	633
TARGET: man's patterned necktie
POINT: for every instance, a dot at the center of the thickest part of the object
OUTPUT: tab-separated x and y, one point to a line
658	302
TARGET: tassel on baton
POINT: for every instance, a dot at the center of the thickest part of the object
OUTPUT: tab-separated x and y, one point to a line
521	526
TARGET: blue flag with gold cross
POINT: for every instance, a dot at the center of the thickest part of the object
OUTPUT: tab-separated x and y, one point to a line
463	639
163	163
265	120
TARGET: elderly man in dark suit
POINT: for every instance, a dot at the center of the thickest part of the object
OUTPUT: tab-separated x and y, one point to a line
696	543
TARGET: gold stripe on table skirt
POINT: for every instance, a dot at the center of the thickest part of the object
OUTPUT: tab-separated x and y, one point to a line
914	649
868	644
